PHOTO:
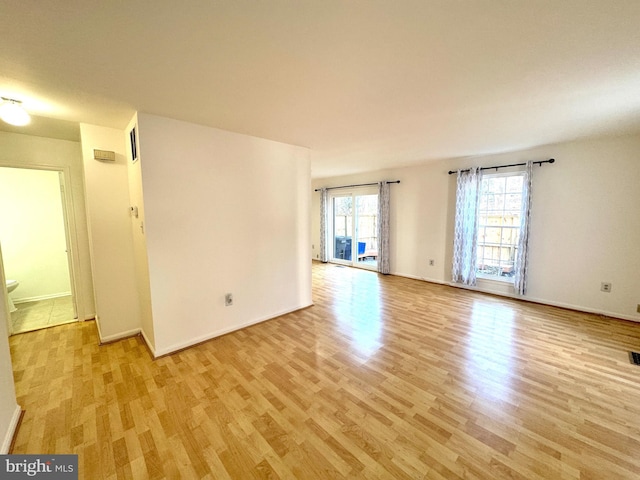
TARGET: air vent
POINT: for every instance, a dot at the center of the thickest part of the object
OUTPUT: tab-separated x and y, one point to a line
634	357
104	155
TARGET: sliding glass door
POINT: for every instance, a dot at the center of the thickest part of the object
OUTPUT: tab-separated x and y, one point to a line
354	229
342	228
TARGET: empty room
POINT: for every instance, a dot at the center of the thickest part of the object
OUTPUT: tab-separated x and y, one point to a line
320	239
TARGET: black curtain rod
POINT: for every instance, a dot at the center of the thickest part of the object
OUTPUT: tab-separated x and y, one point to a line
359	185
551	160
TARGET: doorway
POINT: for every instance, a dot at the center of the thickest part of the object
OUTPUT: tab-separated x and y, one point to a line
34	233
354	228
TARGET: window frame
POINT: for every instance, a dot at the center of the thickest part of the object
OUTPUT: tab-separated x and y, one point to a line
508	279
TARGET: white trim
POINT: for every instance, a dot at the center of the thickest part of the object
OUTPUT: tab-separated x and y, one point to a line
223	331
11	431
118	336
415	277
71	229
540	301
149	344
495	286
353	192
486	212
68	215
494	278
41	297
97	320
569	306
4	305
486	290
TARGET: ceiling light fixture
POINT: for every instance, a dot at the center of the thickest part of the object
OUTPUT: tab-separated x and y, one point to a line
12	112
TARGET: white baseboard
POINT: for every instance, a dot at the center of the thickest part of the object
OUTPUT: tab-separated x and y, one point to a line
415	277
579	308
11	431
97	319
117	336
149	344
541	301
568	306
217	333
41	297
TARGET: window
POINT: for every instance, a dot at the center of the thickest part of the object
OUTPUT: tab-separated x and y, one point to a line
499	215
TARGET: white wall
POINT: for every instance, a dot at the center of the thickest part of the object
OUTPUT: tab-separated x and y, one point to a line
585	224
18	150
224	213
112	250
417	218
32	233
136	199
9	409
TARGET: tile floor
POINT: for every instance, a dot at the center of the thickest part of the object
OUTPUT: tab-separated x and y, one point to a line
42	314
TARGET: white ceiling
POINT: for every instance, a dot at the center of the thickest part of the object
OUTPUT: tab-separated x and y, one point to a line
364	84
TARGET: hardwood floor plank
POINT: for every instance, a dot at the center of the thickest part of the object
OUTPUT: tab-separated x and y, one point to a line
384	377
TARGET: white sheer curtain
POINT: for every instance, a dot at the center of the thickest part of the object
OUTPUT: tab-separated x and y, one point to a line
520	278
324	213
383	228
466	227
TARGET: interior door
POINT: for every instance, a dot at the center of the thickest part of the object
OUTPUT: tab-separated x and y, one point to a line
65	217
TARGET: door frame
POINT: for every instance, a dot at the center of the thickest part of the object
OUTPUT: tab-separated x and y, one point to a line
353	193
4	301
69	224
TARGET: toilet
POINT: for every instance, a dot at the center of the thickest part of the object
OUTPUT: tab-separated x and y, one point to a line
11	286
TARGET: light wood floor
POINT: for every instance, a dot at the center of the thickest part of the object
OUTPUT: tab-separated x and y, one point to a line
384	377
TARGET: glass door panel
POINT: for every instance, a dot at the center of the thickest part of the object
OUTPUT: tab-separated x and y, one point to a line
355	230
342	228
366	247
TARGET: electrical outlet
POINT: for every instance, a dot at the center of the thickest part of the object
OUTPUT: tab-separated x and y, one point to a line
228	300
432	263
605	287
